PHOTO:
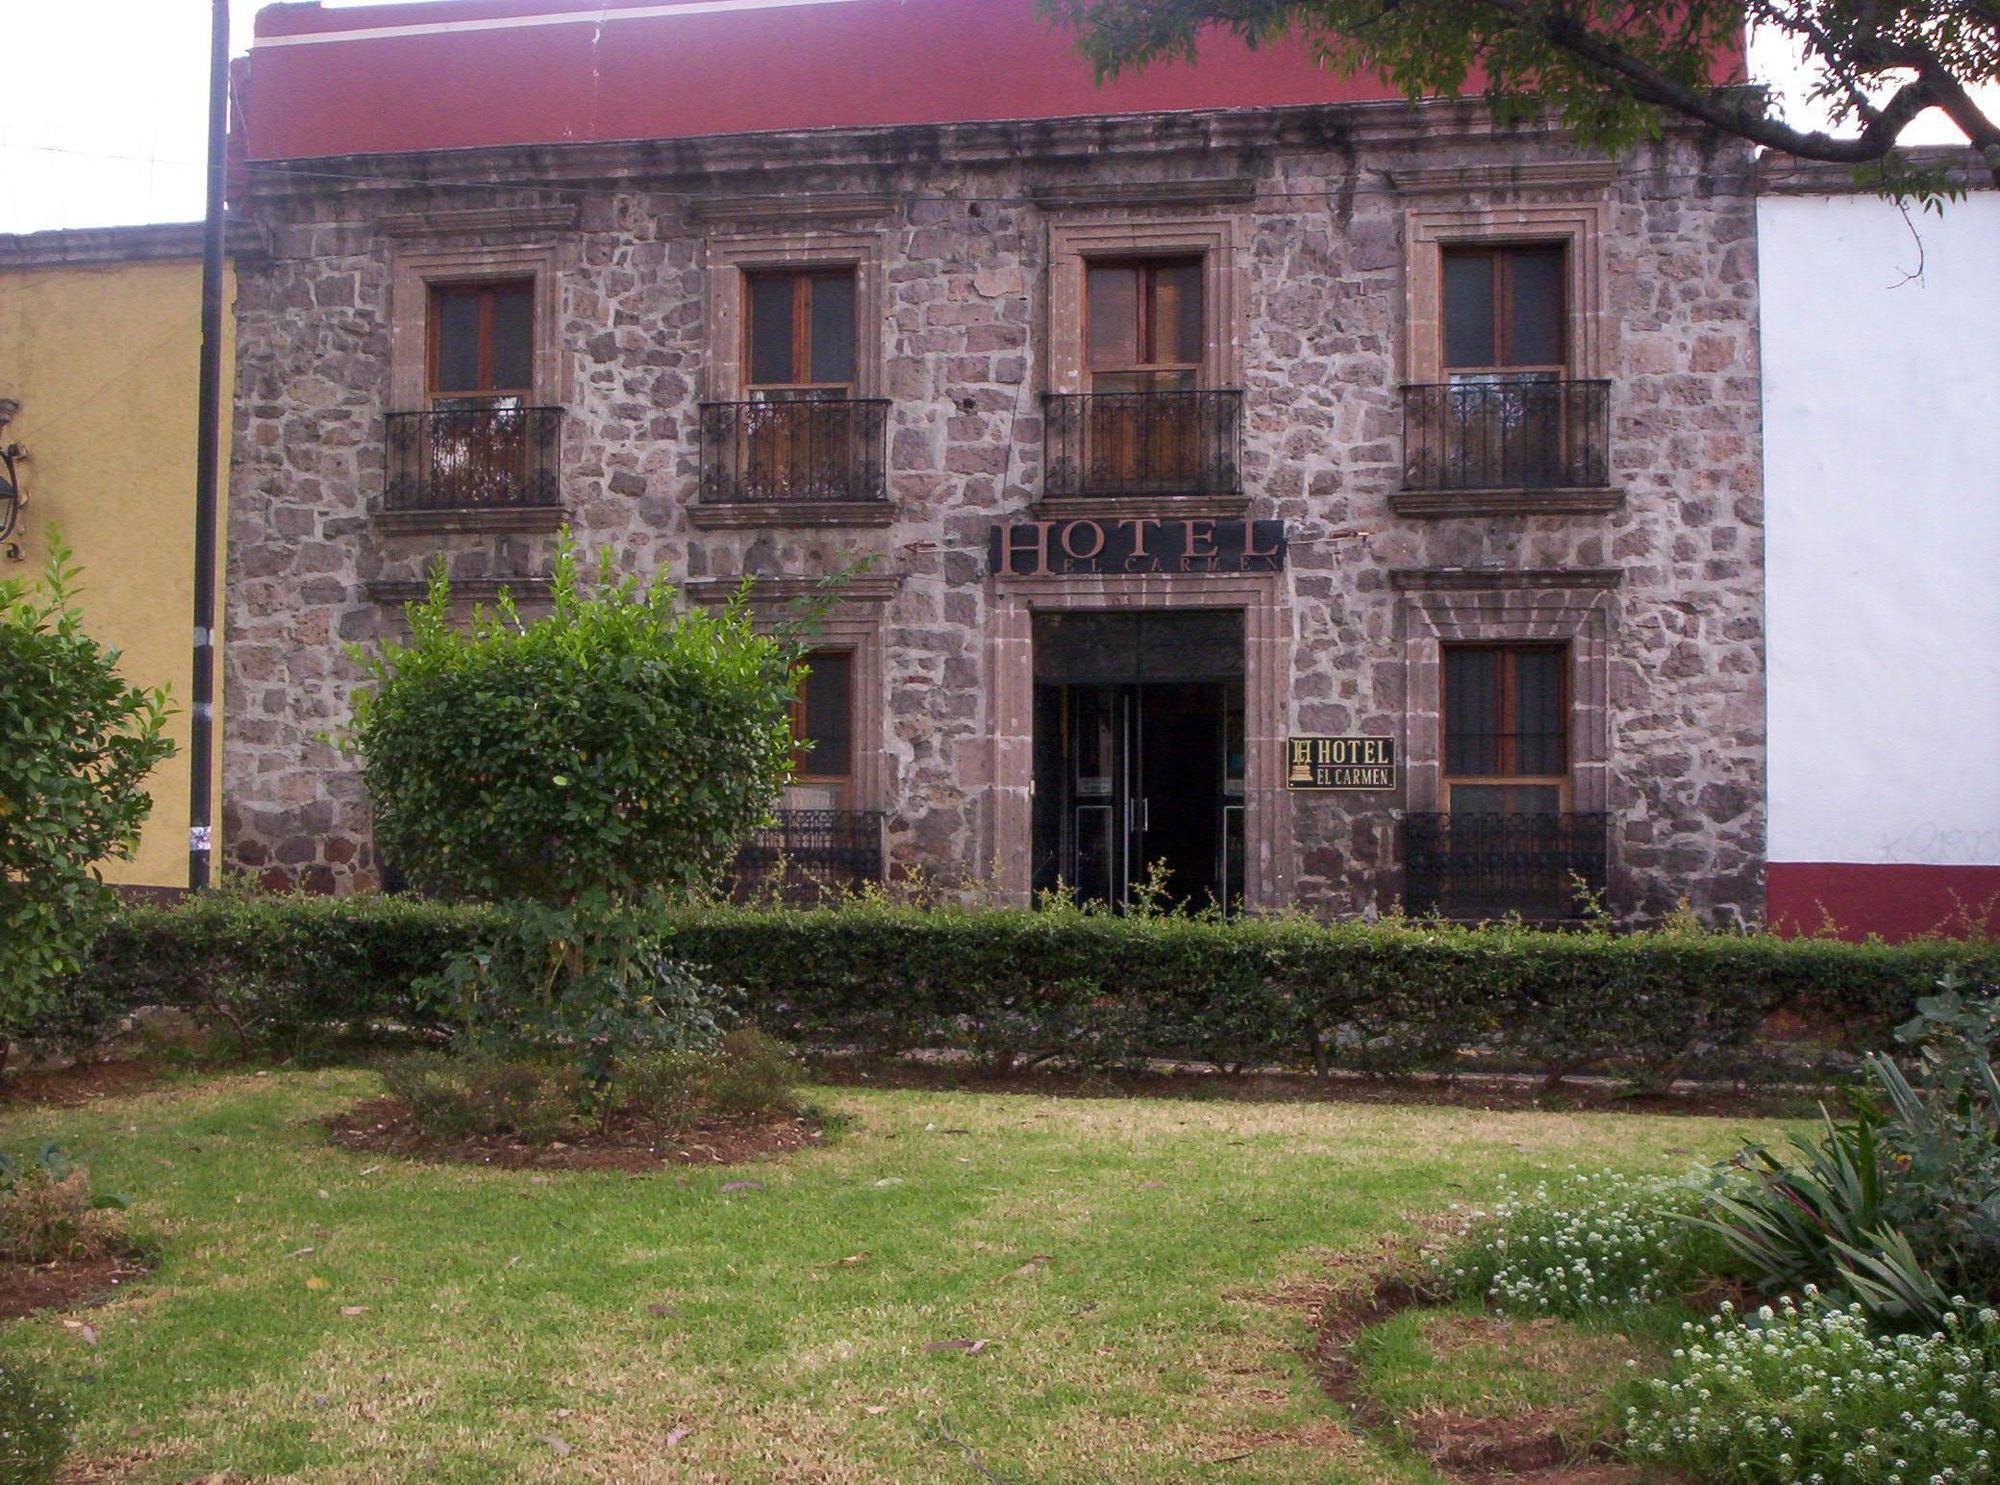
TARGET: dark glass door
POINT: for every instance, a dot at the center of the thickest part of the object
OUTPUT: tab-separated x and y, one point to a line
1134	783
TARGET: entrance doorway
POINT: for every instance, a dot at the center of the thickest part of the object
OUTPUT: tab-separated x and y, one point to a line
1139	755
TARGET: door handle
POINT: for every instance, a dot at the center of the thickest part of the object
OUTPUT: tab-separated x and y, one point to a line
1141	816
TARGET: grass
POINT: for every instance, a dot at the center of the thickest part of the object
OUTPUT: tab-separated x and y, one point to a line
1540	1375
326	1317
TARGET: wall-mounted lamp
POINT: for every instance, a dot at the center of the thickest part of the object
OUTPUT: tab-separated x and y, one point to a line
12	496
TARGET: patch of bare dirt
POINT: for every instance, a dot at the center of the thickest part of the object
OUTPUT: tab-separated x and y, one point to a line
79	1083
28	1289
384	1126
1522	1448
1491	1092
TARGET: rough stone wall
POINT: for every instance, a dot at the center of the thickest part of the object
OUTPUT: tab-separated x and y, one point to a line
1321	312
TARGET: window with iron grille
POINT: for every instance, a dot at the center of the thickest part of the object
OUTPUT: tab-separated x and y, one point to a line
1504	311
799	337
1506	729
823	733
482	344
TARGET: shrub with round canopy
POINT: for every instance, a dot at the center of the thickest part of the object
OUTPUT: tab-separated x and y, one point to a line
619	745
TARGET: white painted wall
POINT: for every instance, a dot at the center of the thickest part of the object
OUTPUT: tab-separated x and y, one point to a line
1882	480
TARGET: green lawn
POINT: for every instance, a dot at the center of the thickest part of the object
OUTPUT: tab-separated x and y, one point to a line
329	1317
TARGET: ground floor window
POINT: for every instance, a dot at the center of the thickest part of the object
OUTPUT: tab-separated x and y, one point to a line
823	734
1506	729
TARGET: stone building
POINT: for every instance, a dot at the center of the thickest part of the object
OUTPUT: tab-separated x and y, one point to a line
1310	496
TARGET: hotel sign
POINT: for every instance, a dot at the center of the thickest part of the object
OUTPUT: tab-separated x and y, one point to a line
1340	763
1135	545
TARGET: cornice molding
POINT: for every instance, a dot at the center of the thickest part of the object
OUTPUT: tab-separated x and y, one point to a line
710	163
151	243
1784	175
1502	175
466	221
1502	579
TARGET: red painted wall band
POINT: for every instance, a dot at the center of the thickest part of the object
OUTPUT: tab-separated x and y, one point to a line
1897	902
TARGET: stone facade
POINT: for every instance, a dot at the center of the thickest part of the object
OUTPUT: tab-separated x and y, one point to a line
1314	223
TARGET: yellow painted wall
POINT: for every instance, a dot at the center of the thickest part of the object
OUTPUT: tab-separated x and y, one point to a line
103	358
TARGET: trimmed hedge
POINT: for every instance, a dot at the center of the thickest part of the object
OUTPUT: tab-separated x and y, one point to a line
1095	990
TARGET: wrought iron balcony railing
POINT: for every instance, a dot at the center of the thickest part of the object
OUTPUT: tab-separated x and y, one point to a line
468	458
1542	868
1507	433
806	853
804	450
1142	443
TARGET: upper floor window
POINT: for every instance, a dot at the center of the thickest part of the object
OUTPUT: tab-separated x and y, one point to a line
482	344
799	334
1504	310
1506	729
1143	324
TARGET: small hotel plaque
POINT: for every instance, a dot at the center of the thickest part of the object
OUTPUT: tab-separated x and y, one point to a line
1340	763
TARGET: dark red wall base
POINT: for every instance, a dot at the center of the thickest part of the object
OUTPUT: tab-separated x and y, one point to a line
1897	902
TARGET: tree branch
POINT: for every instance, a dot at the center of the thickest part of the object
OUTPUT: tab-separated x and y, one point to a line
1727	113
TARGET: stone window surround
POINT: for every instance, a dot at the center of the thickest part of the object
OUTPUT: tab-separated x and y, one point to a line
1073	243
730	258
1581	227
1268	845
854	625
413	272
1573	607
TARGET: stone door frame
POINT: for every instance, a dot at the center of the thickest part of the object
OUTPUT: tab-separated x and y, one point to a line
1268	847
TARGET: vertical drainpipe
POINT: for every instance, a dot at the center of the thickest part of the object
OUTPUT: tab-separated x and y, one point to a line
201	739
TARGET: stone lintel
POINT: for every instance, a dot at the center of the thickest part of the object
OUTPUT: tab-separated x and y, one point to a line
1505	175
1442	579
469	221
526	588
806	206
1083	195
774	590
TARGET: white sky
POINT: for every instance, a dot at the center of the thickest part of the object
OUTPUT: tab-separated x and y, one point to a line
104	105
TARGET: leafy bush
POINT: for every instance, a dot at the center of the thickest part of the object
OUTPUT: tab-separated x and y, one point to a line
1091	989
35	1427
1591	1241
664	1090
467	1095
481	1093
617	744
1898	1208
582	981
80	742
49	1212
751	1074
1810	1395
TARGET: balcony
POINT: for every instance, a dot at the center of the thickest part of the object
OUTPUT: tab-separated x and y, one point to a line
495	461
1172	444
795	457
1535	867
1530	442
804	855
